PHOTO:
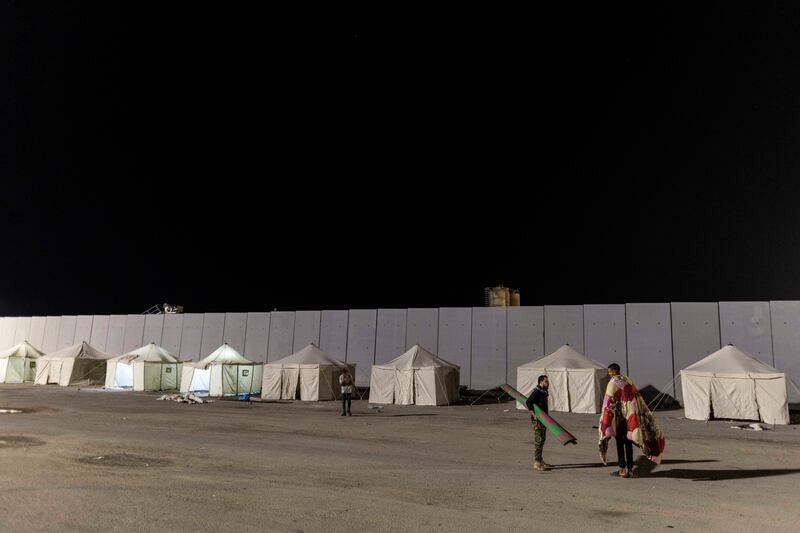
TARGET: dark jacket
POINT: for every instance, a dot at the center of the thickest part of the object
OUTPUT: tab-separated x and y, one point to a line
537	397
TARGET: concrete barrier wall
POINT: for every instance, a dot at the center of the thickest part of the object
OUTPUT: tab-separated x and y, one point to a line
172	333
256	337
695	334
391	334
306	329
153	329
333	333
652	342
524	338
83	328
605	338
235	331
281	334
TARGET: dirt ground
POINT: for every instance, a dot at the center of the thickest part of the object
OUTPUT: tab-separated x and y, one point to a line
91	460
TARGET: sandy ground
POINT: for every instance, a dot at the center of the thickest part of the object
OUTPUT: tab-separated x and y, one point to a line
90	460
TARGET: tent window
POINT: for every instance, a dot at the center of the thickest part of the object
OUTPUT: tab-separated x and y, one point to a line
245	373
168	370
33	364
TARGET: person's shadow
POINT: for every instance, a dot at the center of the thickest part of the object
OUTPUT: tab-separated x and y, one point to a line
645	468
642	459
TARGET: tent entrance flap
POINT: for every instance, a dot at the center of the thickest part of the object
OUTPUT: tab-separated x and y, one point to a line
271	383
55	372
309	384
15	369
425	386
290	378
581	388
200	379
734	398
403	386
230	379
123	376
382	388
558	397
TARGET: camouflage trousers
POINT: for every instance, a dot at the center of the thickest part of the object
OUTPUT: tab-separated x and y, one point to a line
539	434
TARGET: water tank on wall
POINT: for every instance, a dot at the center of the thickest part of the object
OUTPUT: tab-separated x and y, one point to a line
500	296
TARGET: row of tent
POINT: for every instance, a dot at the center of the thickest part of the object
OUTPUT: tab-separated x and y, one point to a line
150	367
728	383
415	377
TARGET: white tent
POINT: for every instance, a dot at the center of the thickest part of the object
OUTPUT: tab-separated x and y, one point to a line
224	372
81	364
18	364
416	377
731	384
150	367
577	383
311	371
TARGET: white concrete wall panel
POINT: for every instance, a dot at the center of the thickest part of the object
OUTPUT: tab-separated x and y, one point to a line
235	331
8	326
525	340
604	334
422	327
747	325
99	337
115	343
23	330
51	327
192	337
153	329
83	329
66	331
455	339
695	334
333	333
257	337
134	333
650	345
36	336
281	334
786	338
213	331
391	334
306	329
488	365
172	333
563	324
362	325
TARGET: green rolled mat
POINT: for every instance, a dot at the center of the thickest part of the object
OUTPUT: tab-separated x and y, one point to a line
549	422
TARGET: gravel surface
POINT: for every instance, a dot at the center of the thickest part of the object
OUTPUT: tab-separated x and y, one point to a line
93	460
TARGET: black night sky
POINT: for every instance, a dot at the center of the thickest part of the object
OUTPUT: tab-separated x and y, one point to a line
239	159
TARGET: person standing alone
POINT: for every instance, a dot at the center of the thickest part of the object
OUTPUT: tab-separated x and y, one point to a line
346	382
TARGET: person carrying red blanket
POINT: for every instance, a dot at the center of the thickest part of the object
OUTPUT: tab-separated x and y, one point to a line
627	418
